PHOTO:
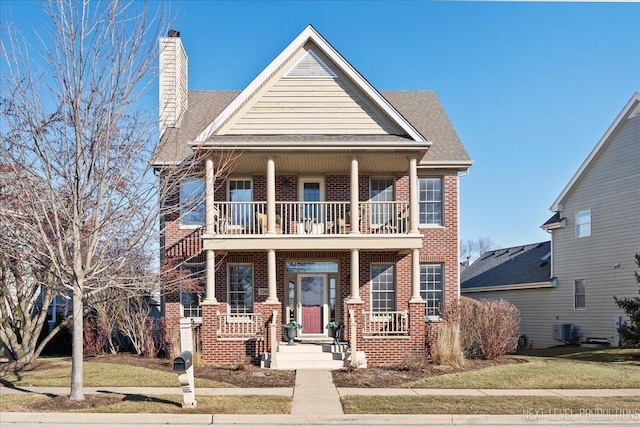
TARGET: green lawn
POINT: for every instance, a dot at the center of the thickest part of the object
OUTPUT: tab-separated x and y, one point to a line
119	403
494	405
564	368
57	373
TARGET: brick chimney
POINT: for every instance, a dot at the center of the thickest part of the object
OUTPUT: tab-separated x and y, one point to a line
173	81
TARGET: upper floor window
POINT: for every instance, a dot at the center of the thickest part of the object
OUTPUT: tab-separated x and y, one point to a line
583	223
430	199
431	288
580	294
192	201
241	195
241	288
382	197
383	288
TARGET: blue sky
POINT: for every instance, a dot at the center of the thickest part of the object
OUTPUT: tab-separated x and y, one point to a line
529	87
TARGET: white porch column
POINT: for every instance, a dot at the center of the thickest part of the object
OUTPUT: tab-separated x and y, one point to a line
415	276
210	284
208	198
272	298
271	196
355	209
413	195
355	276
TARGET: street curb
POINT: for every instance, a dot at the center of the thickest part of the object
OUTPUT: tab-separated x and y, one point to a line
378	419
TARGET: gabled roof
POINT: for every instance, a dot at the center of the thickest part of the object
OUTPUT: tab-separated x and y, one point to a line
518	267
309	34
421	108
632	107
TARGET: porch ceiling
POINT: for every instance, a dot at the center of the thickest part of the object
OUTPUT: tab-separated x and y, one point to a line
323	163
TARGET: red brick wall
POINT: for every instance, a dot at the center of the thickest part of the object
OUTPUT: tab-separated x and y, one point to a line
440	245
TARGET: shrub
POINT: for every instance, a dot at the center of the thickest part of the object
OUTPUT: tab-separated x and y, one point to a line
489	328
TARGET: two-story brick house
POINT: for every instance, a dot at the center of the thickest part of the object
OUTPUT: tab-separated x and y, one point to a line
266	222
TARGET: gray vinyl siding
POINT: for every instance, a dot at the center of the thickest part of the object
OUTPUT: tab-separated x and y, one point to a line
611	190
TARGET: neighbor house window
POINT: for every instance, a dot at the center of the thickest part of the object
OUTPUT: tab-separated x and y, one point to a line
192	202
192	278
583	224
241	288
580	294
383	288
431	288
430	201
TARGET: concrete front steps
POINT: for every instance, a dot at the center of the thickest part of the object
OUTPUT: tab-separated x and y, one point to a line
307	355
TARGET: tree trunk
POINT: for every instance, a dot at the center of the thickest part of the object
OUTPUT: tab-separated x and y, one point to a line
77	350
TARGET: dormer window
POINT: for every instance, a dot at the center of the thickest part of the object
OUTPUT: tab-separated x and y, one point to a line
583	223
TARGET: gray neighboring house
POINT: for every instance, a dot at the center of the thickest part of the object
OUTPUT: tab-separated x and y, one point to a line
520	274
595	233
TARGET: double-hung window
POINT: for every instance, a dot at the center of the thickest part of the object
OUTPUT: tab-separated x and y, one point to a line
241	288
579	294
192	278
382	197
383	288
192	202
431	288
430	201
583	223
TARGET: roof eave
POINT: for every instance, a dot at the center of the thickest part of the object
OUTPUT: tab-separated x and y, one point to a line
535	285
628	108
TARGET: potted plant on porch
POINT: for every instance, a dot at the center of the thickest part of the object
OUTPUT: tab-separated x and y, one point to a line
336	331
290	330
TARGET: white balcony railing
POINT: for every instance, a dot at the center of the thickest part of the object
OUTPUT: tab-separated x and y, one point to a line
386	323
240	325
312	218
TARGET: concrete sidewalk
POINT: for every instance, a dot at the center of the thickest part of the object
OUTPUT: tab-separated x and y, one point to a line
309	383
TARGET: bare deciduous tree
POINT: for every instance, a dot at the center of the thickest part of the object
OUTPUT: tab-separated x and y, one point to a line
73	118
471	249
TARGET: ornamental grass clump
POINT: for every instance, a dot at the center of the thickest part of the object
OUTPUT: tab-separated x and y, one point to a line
447	349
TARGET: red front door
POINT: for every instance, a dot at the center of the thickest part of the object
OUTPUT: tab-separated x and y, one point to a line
312	303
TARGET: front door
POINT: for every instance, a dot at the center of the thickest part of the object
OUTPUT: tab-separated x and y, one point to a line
312	302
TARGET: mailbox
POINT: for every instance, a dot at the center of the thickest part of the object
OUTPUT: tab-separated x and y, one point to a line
183	361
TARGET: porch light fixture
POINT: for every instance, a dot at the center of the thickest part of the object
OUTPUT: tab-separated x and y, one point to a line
285	185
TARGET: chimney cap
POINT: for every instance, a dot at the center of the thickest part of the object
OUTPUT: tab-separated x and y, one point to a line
173	33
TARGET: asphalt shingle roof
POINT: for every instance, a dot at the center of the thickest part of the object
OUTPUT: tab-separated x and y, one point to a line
420	108
509	266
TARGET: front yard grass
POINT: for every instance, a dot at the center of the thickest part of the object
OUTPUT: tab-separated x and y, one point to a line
56	372
563	368
128	403
488	405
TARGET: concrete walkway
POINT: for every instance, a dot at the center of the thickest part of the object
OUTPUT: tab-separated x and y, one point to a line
315	394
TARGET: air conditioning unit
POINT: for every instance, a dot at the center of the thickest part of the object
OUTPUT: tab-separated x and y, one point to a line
563	332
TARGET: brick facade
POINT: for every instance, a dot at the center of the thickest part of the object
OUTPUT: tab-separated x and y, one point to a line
440	245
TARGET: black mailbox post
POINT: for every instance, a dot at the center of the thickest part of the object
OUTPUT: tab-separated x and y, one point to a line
183	361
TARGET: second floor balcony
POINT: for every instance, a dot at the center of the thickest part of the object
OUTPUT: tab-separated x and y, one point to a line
311	218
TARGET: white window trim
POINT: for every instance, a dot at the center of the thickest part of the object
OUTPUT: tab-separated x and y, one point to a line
442	197
238	178
197	319
380	314
253	285
303	179
578	236
393	196
574	294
